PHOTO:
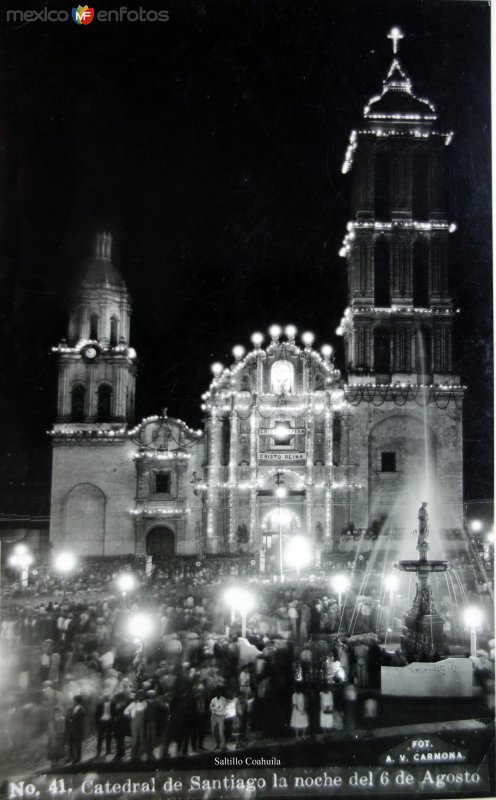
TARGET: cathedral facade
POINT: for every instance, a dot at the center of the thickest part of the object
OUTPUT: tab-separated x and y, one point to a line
291	445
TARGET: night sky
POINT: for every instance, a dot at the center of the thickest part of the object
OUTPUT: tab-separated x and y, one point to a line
211	146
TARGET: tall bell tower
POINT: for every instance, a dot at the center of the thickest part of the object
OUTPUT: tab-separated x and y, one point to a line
405	397
96	365
93	473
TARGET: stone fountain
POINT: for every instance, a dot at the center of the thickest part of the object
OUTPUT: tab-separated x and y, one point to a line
422	634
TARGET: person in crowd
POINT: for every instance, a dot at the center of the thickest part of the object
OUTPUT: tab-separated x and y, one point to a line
218	705
299	713
120	724
56	736
104	724
326	709
76	728
350	699
242	715
136	713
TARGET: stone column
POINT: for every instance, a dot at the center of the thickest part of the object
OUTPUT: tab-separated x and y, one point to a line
310	436
232	476
214	433
253	474
330	476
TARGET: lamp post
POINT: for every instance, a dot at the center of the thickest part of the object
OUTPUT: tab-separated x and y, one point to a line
241	600
340	584
126	582
472	618
298	553
65	562
280	493
231	597
22	559
476	525
391	582
140	625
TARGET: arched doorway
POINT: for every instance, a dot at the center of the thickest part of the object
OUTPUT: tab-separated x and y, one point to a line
160	543
279	524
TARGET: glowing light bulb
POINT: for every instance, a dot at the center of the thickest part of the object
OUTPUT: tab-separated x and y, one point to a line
257	339
290	331
308	338
275	332
217	369
326	350
238	352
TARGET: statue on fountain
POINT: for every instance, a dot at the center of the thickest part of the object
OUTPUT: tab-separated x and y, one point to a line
423	531
422	631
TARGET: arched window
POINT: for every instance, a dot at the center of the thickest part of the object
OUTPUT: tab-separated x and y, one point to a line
420	274
104	406
382	351
114	331
420	186
77	403
423	351
382	188
382	281
94	326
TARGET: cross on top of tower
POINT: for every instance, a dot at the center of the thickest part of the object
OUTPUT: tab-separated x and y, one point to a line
395	34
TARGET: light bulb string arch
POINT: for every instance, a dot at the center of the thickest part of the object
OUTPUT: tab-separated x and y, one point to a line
163	422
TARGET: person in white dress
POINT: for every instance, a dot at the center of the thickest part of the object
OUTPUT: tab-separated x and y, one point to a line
326	709
299	715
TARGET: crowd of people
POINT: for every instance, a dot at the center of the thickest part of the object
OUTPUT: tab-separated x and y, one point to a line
89	671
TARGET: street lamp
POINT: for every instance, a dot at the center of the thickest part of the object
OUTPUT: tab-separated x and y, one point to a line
140	625
391	582
22	559
340	584
126	582
476	525
472	618
241	600
298	553
231	597
65	562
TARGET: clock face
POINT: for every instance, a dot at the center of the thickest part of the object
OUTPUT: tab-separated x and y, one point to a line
90	352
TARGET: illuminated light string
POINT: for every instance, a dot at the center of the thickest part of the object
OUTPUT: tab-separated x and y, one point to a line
86	434
119	348
345	248
159	512
388	132
161	456
356	310
378	394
